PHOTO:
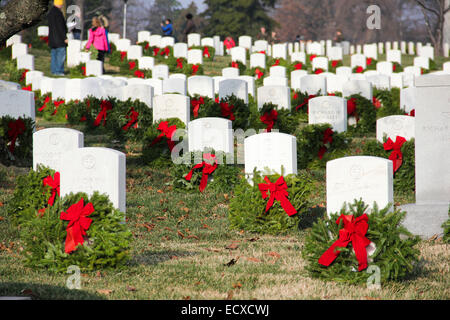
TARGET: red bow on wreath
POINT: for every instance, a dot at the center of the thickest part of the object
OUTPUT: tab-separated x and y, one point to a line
132	65
396	155
359	69
334	63
77	215
147	45
123	54
180	63
24	74
263	52
166	132
83	70
194	69
133	116
351	106
312	57
208	169
206	52
369	61
277	63
234	65
298	66
318	71
376	103
306	101
57	104
105	105
227	111
269	118
47	100
196	105
53	183
278	191
139	74
354	231
44	39
155	51
165	52
15	128
259	73
27	88
412	113
327	139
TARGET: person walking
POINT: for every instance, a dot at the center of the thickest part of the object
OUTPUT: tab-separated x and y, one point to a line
97	38
57	38
167	28
189	28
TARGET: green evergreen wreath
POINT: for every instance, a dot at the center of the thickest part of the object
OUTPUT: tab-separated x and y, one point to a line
223	179
446	227
30	195
404	178
259	81
158	154
367	115
242	68
310	144
286	122
390	102
22	153
395	252
106	245
247	207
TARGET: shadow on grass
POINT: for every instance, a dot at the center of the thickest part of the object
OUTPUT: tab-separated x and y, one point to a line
152	258
37	291
310	217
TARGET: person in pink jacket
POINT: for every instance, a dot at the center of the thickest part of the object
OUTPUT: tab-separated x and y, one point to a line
98	38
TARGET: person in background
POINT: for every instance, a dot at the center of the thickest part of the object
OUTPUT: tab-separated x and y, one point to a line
229	43
168	28
105	24
263	35
97	38
274	37
189	28
57	38
76	31
339	37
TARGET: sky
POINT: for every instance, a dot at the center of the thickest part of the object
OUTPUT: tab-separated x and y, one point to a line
199	3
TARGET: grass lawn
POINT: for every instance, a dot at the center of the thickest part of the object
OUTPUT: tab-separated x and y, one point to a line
182	246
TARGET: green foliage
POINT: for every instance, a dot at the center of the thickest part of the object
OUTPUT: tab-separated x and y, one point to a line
107	241
446	227
242	68
158	154
238	17
286	121
247	207
404	178
30	195
390	101
252	72
223	179
22	154
366	115
211	50
77	71
395	253
310	140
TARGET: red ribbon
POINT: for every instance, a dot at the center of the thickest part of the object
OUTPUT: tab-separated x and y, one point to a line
155	51
27	88
105	105
312	57
351	106
133	116
298	66
52	182
147	45
16	128
196	105
327	139
369	61
180	63
278	191
44	39
263	52
277	63
206	52
354	231
227	111
123	54
194	69
132	65
412	113
83	70
57	104
259	73
234	65
139	74
376	103
47	100
166	132
359	69
269	118
334	63
318	71
208	169
77	215
396	155
165	52
24	74
306	101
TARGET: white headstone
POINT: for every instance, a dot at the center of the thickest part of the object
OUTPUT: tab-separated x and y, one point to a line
237	87
362	87
329	109
275	81
213	133
144	36
394	56
42	31
258	60
94	68
422	62
50	144
180	50
194	40
95	169
298	57
195	56
160	71
239	54
358	60
353	178
276	94
171	106
19	49
245	42
134	52
25	61
393	126
146	63
385	67
271	153
123	45
313	84
142	92
230	72
17	103
167	42
155	40
175	85
201	85
279	51
380	81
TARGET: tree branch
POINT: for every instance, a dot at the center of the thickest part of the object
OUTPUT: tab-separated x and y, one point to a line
432	10
18	15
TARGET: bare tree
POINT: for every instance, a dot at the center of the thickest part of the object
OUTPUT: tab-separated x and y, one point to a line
18	15
434	12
